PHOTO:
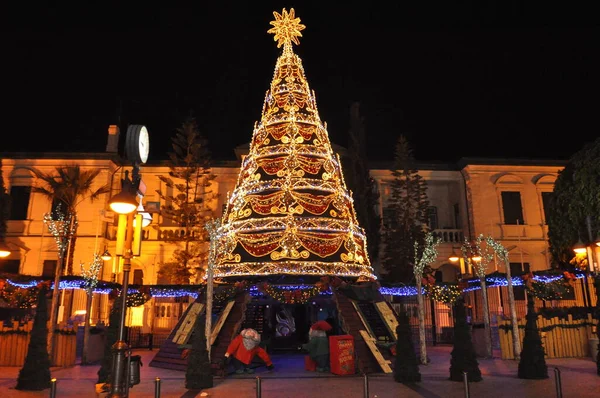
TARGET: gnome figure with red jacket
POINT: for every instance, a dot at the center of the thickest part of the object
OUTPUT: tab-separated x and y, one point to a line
318	345
242	350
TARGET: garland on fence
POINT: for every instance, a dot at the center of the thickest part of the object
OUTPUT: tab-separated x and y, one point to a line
508	328
554	290
13	331
559	284
443	293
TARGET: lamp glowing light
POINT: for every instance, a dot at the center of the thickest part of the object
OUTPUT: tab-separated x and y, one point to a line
4	250
146	217
106	256
123	203
579	247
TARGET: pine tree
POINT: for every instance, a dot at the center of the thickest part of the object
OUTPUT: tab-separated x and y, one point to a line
362	185
198	373
35	374
405	216
406	369
187	204
532	364
463	354
112	334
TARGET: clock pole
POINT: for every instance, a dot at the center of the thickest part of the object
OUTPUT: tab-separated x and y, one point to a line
119	383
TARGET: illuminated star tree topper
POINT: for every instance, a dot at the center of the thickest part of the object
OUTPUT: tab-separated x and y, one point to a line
286	28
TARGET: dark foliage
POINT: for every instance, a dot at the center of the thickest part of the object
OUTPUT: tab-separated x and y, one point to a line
405	219
463	353
573	200
359	181
532	364
198	374
35	374
406	369
112	334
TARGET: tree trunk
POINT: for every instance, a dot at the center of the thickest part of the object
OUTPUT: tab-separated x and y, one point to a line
486	319
421	312
513	314
209	306
54	305
86	327
71	252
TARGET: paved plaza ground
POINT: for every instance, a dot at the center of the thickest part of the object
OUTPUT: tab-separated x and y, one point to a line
578	379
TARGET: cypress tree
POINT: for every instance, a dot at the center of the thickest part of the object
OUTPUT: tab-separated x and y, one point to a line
35	374
198	374
405	219
406	369
112	334
463	353
532	364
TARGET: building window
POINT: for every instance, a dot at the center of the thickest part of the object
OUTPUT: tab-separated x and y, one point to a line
432	218
49	268
511	205
515	270
457	223
19	202
546	203
138	277
10	266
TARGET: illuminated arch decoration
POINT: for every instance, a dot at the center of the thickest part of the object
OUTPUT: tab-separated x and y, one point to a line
290	212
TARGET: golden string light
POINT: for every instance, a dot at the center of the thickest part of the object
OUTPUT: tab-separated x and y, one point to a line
290	211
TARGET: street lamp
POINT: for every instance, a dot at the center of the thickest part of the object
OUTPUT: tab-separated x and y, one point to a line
4	249
465	269
106	256
128	244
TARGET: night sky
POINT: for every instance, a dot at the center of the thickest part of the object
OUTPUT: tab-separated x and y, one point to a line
458	80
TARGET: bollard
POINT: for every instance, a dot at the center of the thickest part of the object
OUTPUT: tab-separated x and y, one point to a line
558	383
53	388
366	385
258	391
466	381
157	387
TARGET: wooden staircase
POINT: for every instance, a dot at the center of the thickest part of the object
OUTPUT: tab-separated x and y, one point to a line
229	330
362	321
169	354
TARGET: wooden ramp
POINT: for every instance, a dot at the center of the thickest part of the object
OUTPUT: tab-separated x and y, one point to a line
369	323
228	329
169	354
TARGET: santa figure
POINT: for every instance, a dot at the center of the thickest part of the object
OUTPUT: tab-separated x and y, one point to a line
242	350
318	345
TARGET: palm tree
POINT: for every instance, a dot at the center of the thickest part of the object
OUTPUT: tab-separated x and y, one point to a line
67	186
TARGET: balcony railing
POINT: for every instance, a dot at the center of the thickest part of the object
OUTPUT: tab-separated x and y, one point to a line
449	235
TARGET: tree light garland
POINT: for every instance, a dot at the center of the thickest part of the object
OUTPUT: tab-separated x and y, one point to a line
290	211
62	227
90	275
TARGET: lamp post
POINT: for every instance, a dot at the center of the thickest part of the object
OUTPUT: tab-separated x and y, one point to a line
123	204
129	238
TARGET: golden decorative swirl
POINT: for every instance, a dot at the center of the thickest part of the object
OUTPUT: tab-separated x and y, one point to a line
293	254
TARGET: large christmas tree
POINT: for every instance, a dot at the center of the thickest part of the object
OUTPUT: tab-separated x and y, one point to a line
290	212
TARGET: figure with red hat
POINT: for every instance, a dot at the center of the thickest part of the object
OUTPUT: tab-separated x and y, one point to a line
244	348
318	345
